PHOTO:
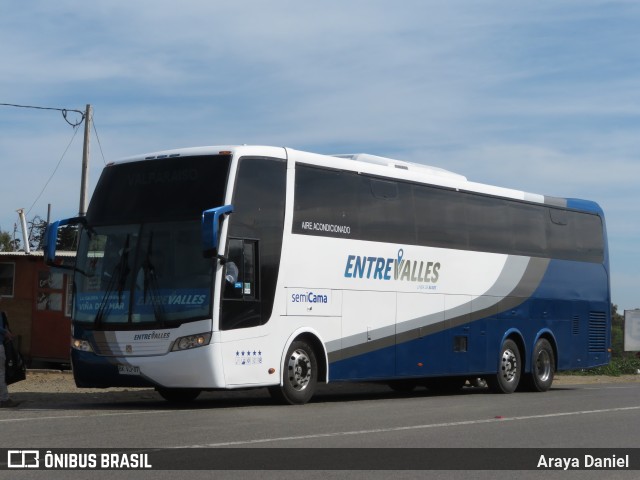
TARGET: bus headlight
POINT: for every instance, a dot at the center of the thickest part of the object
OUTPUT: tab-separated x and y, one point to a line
191	341
81	345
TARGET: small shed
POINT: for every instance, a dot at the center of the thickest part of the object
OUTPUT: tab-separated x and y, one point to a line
37	299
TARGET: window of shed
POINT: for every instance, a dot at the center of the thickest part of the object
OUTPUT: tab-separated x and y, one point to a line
7	279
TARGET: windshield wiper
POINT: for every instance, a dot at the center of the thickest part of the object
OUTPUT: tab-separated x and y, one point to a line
117	276
150	284
123	269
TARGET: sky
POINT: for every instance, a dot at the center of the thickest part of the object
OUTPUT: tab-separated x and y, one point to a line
541	96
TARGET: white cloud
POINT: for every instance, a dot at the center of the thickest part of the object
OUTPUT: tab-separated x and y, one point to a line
538	96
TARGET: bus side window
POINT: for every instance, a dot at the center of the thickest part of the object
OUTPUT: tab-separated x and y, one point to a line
240	270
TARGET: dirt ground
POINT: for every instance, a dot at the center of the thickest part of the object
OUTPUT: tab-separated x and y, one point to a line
40	382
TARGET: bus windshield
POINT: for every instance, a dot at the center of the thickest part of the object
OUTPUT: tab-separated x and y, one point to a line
140	257
142	274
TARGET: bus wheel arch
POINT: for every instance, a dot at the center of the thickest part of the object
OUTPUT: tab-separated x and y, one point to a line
510	365
320	353
304	364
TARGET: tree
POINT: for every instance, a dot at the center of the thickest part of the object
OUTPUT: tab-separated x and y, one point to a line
617	333
67	238
37	228
7	243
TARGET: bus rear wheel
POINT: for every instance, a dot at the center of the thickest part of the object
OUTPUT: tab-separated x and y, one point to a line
509	369
299	376
179	395
542	367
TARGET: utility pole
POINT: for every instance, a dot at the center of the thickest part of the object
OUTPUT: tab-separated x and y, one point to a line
25	235
85	162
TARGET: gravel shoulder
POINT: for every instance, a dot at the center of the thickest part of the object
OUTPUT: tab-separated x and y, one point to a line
53	381
52	387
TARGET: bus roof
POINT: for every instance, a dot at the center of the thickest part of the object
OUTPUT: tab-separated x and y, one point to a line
373	164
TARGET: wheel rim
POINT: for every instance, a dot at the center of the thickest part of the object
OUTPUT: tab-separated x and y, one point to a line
509	365
543	366
299	368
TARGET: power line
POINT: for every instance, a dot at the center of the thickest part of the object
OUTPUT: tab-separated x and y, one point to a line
64	111
84	117
75	131
93	124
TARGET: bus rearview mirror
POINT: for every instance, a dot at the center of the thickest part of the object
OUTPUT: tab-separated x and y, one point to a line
211	229
51	237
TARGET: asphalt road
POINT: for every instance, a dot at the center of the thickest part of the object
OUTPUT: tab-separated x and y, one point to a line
587	416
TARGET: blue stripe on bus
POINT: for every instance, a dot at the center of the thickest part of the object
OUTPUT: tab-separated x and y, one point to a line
575	324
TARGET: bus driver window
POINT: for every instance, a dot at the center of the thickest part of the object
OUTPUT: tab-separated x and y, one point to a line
240	270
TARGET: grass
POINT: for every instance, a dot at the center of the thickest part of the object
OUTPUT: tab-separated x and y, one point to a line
618	366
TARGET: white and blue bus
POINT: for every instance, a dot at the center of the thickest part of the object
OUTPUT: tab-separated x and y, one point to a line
245	266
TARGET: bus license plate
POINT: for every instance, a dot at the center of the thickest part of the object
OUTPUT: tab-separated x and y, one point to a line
128	370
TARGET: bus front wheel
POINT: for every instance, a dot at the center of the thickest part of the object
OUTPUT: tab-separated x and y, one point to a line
509	369
300	375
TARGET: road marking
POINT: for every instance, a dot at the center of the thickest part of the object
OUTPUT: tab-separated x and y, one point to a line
412	427
608	388
92	415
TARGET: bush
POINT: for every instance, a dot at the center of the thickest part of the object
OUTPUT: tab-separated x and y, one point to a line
626	365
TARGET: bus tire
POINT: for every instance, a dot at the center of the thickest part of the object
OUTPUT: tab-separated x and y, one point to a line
542	367
179	395
299	375
509	369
